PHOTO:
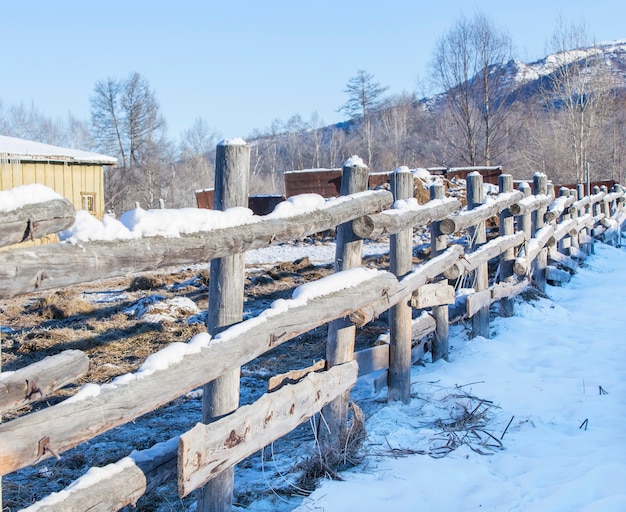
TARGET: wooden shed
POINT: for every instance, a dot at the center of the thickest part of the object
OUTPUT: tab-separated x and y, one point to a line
75	174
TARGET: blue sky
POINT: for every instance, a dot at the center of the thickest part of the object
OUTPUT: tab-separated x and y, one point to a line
240	66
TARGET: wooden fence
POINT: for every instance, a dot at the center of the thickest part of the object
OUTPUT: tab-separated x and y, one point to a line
540	239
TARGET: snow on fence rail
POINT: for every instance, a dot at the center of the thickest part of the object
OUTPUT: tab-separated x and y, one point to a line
541	238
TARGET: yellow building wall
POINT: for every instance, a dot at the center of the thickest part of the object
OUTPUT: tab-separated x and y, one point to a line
74	182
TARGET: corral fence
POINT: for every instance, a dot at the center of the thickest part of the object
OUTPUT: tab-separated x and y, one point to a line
541	237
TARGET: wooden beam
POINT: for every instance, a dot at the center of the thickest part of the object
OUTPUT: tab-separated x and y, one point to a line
480	300
59	265
486	252
116	485
554	256
471	217
390	222
35	221
38	380
508	289
293	376
557	275
530	204
206	450
419	276
433	294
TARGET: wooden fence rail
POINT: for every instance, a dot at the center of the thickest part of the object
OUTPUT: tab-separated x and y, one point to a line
541	238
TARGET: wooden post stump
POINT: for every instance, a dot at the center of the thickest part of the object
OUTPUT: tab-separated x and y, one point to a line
400	315
438	244
226	292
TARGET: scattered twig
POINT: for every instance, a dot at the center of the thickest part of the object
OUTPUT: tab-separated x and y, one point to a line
507	427
602	390
584	423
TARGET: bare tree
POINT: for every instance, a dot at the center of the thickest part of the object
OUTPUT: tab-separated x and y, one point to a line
126	123
365	96
577	94
468	65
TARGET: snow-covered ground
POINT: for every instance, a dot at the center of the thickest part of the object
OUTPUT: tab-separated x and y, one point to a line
556	372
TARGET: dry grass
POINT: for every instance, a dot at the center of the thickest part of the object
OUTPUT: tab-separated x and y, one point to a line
331	459
61	305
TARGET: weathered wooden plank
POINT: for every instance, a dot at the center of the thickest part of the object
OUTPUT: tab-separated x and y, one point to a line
390	222
206	450
530	204
376	358
543	237
292	376
35	221
101	408
481	213
565	228
419	276
508	289
433	294
116	485
557	275
478	301
38	380
554	256
60	265
373	359
558	207
577	253
486	252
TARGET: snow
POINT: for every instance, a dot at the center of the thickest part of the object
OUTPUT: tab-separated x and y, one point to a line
139	223
237	141
20	149
354	161
546	370
19	197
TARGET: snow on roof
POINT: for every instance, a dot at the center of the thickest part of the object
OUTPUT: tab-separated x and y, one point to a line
10	147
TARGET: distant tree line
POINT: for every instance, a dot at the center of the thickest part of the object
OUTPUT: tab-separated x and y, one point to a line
570	120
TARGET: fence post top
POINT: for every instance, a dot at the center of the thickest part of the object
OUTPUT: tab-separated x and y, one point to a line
354	161
238	141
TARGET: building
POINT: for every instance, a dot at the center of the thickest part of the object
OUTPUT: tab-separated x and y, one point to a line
76	175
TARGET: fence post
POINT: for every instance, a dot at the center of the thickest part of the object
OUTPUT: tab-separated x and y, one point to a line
578	194
400	315
438	243
507	227
564	243
226	289
341	332
540	186
524	222
478	236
